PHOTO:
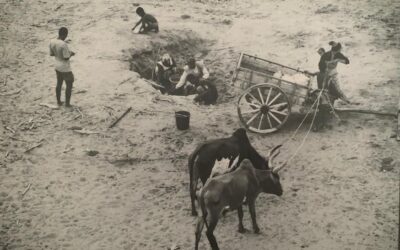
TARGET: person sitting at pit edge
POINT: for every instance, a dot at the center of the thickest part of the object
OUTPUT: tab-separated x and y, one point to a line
207	93
163	70
149	22
197	71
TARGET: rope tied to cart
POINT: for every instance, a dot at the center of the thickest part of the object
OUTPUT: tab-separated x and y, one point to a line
316	102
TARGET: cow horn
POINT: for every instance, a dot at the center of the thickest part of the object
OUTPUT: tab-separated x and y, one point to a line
235	161
272	154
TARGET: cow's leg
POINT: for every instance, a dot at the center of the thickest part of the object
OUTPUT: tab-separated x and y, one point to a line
199	229
252	209
211	226
241	228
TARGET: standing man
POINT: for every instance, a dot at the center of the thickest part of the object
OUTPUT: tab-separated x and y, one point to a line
328	75
327	79
59	49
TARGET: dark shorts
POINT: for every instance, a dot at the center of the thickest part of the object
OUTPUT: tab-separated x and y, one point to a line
65	76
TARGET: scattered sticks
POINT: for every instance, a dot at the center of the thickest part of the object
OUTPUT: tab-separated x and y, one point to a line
122	116
11	93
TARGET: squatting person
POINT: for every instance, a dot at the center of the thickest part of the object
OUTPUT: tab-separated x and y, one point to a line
149	22
193	72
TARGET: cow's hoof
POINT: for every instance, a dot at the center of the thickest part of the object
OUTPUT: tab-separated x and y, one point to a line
194	213
242	230
256	230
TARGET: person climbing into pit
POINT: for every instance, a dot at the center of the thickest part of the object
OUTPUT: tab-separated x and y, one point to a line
164	69
149	22
194	73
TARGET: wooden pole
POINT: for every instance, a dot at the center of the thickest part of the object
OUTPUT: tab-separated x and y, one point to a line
398	125
366	111
122	116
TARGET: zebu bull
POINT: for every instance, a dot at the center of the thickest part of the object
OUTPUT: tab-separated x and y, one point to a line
229	190
202	160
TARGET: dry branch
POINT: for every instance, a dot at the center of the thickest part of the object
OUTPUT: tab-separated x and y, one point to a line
132	160
124	81
153	83
27	189
49	105
122	116
34	146
10	129
85	131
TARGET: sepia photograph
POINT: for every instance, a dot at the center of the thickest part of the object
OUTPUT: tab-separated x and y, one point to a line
199	124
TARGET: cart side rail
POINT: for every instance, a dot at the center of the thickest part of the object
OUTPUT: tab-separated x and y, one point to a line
271	62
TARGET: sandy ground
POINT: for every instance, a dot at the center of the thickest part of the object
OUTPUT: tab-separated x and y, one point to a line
339	191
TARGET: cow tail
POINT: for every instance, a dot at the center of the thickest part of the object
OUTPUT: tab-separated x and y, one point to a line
191	161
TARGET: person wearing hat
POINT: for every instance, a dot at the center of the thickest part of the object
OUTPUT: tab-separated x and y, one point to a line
193	73
328	78
149	22
163	70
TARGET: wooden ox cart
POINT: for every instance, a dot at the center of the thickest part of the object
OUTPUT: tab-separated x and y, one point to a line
268	99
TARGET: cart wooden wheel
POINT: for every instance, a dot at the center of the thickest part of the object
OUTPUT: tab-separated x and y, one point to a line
263	108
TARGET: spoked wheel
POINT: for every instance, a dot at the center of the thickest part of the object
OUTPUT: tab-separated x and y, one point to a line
263	108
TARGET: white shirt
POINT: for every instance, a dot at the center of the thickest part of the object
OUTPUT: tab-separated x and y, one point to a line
59	49
199	70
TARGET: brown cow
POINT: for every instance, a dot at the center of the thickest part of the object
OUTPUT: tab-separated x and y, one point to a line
230	189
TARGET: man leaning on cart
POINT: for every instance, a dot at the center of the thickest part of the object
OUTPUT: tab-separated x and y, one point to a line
327	79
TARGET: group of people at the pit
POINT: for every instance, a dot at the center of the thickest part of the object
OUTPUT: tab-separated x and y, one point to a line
195	76
194	79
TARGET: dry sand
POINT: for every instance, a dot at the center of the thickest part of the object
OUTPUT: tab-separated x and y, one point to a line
336	193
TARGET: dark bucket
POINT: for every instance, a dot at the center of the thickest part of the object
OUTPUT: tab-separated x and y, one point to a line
182	119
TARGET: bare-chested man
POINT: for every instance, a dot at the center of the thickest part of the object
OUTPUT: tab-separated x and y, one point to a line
149	22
